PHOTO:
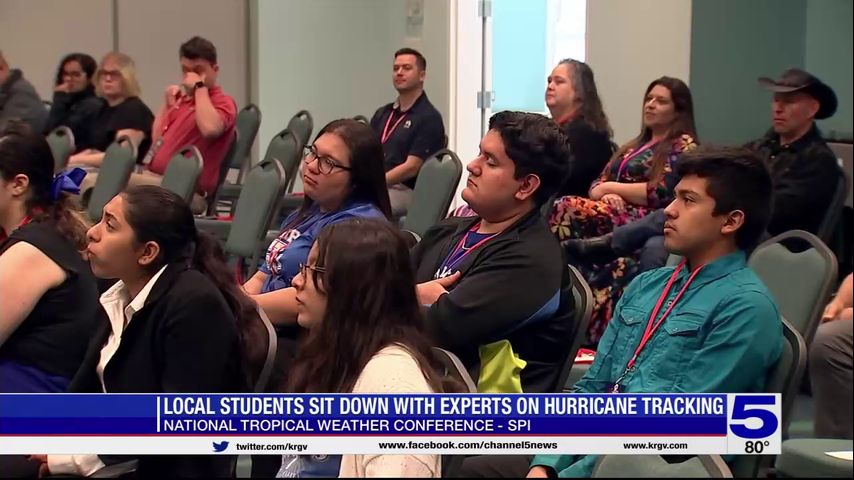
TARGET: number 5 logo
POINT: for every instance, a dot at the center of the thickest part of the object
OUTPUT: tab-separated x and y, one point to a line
741	411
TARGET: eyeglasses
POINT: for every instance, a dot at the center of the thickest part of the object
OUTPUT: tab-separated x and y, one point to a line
110	74
327	164
313	268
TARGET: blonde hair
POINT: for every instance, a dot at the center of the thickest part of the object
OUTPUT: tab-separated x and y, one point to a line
128	72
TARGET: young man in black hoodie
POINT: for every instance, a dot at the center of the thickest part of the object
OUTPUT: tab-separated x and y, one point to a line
496	286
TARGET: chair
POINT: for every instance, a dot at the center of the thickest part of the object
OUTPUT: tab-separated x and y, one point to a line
583	297
434	190
302	124
362	118
119	160
255	207
654	466
785	378
246	130
286	148
801	302
412	238
262	383
807	458
452	367
183	171
61	142
828	224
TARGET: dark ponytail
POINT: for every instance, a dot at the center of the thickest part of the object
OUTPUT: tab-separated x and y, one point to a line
158	215
23	152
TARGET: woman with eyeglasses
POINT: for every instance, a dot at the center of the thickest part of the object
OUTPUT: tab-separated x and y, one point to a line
380	347
74	102
122	113
343	177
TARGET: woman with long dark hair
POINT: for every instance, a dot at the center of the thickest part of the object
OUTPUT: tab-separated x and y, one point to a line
175	322
49	296
573	101
74	102
356	296
638	180
343	177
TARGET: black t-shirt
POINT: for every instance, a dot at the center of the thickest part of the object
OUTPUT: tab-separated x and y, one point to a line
418	131
55	335
589	152
131	114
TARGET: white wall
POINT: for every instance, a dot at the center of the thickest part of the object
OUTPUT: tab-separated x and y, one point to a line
631	43
334	58
35	35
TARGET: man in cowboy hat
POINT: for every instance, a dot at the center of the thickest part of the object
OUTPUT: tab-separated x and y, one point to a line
804	169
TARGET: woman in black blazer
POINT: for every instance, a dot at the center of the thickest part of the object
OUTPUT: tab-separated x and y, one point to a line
175	322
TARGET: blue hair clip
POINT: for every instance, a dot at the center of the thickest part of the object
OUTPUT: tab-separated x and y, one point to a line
68	181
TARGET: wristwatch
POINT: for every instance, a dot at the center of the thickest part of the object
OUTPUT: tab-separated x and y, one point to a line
198	85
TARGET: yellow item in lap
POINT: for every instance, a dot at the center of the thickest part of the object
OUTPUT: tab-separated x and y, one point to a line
500	368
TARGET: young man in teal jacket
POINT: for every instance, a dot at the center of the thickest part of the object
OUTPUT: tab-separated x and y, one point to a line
715	327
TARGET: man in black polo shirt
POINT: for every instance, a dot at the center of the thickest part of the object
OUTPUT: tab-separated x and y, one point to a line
804	169
410	128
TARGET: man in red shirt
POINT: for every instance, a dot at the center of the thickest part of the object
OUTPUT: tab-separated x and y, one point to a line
196	112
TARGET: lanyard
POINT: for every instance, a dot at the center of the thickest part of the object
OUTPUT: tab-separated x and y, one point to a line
460	251
632	155
386	132
652	325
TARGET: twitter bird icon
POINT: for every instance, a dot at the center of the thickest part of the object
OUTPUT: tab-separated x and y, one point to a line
220	447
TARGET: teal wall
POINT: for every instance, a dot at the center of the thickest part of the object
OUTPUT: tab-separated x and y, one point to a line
518	54
829	56
732	43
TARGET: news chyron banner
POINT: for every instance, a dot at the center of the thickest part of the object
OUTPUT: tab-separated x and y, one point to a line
389	424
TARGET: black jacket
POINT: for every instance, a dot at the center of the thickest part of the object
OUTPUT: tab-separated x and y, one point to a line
76	111
505	284
805	176
183	340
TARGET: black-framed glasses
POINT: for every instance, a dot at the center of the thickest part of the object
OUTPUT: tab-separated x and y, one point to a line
314	268
326	163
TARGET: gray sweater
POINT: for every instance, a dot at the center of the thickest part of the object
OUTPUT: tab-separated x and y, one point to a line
19	101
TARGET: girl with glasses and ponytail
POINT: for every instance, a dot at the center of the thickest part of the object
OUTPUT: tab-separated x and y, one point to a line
343	177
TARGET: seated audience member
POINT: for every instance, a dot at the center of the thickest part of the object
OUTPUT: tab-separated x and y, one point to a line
715	327
18	99
342	176
122	112
638	180
496	286
410	128
174	322
197	112
379	347
831	366
803	167
573	101
74	102
48	296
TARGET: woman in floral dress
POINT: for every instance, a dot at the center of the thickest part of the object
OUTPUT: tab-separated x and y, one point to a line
638	180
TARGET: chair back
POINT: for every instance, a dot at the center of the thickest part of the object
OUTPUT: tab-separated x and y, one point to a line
262	383
247	124
582	295
654	466
183	172
302	124
434	190
801	301
784	378
61	142
256	205
118	163
362	119
828	224
286	148
453	368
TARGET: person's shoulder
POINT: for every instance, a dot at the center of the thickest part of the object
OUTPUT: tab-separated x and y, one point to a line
392	369
447	227
137	105
684	143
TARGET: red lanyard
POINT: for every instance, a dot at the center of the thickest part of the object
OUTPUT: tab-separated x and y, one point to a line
386	132
451	262
26	220
652	325
632	155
